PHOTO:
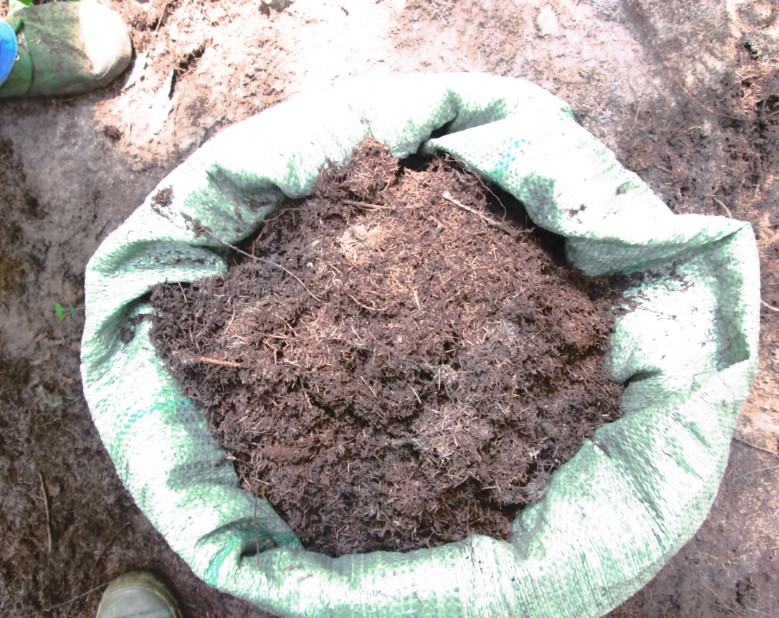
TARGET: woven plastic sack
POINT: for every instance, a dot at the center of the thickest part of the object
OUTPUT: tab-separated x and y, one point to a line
686	346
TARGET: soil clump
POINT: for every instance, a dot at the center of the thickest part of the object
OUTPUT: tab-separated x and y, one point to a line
404	361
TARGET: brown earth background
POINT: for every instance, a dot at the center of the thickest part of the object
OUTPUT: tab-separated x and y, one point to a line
686	93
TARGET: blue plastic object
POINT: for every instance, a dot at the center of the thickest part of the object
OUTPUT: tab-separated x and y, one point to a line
8	50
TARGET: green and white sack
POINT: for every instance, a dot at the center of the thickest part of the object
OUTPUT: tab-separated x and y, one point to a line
612	516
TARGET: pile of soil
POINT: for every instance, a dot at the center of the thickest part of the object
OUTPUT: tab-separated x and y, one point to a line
403	363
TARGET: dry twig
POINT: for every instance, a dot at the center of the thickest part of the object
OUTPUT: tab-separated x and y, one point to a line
46	507
756	447
188	357
105	548
727	210
74	599
369	387
162	15
366	205
757	471
259	259
448	197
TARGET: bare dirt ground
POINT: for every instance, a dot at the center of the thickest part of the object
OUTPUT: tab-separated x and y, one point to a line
686	93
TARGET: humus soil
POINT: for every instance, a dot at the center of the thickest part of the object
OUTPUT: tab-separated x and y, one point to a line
399	360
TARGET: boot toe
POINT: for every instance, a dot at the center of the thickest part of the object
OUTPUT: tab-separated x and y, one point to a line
137	594
106	42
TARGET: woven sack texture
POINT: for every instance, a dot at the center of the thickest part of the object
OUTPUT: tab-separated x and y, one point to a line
685	345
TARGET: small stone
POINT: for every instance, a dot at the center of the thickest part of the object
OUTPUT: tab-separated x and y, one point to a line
547	23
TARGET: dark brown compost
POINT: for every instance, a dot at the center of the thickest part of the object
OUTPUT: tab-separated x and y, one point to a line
403	363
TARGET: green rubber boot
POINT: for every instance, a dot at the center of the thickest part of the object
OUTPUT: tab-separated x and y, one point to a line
138	594
65	48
